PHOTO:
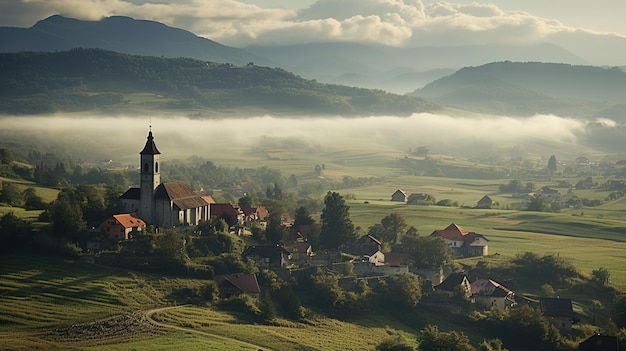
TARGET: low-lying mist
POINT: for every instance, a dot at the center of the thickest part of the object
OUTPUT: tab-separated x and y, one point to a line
91	136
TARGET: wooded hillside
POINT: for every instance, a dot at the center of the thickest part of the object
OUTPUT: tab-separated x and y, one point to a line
516	88
87	79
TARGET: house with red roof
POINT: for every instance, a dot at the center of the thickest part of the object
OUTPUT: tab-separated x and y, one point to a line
120	226
237	284
462	242
255	214
227	210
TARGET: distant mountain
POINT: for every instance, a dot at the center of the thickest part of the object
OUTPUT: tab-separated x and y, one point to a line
99	80
120	34
513	88
343	62
372	66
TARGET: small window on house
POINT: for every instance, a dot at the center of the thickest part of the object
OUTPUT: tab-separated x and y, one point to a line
156	167
145	167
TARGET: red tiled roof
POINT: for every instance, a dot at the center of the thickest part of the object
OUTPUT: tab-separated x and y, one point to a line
456	233
129	220
208	199
260	212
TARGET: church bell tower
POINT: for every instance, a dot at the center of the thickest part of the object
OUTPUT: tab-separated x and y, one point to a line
150	179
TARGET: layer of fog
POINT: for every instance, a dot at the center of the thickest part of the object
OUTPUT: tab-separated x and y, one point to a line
121	138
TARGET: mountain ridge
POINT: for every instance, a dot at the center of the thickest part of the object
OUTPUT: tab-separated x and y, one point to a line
122	34
527	88
330	62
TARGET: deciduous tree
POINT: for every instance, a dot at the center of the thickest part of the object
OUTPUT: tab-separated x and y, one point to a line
337	228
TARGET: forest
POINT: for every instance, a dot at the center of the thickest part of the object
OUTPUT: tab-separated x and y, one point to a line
95	79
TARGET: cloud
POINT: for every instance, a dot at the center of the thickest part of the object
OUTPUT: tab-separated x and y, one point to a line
207	137
391	22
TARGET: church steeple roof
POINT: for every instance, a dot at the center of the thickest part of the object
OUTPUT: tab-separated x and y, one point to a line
150	148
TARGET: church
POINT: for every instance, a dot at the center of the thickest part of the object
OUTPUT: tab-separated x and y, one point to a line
159	204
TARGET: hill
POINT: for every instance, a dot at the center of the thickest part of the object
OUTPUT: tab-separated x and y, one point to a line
121	34
515	88
87	79
339	62
363	65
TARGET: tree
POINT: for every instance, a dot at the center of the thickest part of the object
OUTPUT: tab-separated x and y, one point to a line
527	327
302	216
619	311
66	216
5	156
11	229
326	289
245	201
394	344
601	276
431	339
276	232
403	290
112	198
32	201
389	228
337	228
491	345
11	194
596	309
552	164
170	247
425	251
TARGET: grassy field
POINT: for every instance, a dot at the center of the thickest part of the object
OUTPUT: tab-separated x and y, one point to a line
43	295
588	242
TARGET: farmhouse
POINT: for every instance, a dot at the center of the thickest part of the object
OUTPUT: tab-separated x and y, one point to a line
120	226
162	204
488	293
559	311
600	342
399	196
237	284
301	252
485	202
455	283
267	256
462	242
233	215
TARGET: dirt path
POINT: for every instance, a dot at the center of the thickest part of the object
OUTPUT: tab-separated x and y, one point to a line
150	313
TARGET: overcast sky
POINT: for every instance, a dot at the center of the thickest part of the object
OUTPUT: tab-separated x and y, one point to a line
393	22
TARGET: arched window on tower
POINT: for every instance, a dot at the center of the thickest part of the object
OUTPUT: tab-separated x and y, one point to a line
156	167
145	167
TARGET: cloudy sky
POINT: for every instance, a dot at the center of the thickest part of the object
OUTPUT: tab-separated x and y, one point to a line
394	22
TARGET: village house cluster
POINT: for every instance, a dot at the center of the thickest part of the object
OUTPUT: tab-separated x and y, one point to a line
173	204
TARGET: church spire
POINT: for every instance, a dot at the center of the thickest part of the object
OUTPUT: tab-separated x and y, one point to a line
150	148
